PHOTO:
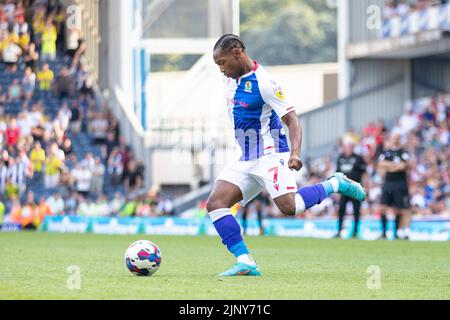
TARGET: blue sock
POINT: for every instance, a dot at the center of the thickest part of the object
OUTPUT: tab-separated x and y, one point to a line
230	232
313	195
328	187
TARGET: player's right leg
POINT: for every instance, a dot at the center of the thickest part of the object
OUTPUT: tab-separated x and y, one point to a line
222	198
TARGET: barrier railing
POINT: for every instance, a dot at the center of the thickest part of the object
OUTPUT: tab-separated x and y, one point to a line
437	229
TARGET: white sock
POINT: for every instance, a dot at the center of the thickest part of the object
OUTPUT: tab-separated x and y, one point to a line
247	259
335	184
299	204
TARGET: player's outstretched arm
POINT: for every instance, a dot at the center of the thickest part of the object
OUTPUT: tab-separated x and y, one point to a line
295	137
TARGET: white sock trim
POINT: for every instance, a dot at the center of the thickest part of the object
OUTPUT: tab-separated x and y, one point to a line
299	204
247	259
219	214
335	183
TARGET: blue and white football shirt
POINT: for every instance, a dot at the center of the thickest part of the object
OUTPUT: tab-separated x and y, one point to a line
256	104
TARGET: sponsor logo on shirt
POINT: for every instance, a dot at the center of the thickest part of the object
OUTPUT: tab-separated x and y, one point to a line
280	94
240	103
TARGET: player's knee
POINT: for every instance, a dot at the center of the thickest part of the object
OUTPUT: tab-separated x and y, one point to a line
287	209
214	204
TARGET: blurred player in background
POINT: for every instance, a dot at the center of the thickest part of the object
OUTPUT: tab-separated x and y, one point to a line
260	203
257	106
354	167
393	163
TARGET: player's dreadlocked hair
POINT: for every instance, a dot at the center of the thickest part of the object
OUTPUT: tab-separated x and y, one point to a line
229	41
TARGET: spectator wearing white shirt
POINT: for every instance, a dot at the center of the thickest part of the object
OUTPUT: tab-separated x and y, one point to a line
56	204
64	116
418	202
99	128
403	8
116	204
54	149
20	27
408	122
73	41
14	91
24	123
89	161
3	177
28	83
83	178
11	55
25	170
71	203
98	174
35	116
9	9
13	171
389	10
102	206
115	166
83	207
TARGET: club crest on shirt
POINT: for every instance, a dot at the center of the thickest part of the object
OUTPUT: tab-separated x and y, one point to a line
248	87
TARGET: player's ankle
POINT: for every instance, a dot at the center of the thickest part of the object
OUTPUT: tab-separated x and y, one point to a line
331	185
247	259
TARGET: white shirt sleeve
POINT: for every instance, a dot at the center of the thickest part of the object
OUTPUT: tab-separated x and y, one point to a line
273	94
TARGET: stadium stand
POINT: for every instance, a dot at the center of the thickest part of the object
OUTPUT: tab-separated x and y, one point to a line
424	128
61	150
403	7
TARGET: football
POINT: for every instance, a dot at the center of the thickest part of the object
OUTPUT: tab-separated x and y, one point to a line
143	258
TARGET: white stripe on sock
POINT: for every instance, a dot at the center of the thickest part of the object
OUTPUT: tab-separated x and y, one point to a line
299	204
219	214
247	259
335	183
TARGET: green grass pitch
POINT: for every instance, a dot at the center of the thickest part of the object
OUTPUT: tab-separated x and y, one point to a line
34	266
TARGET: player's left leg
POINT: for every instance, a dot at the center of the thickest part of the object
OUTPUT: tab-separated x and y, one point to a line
309	196
273	173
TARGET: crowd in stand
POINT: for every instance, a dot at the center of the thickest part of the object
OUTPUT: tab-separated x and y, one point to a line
36	146
403	7
424	128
